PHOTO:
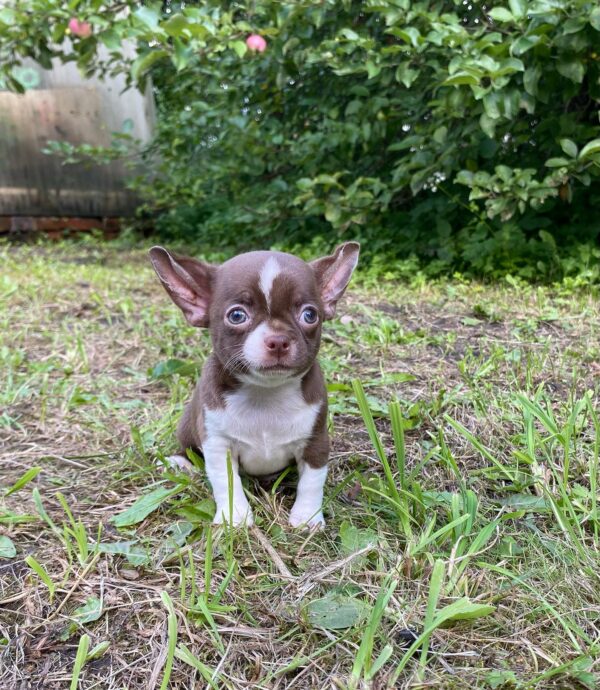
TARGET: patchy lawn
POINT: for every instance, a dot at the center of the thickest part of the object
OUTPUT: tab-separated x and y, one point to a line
483	533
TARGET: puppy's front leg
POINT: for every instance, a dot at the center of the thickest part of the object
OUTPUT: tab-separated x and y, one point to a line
307	509
215	459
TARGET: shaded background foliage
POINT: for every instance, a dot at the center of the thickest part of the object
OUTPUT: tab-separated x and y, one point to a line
457	133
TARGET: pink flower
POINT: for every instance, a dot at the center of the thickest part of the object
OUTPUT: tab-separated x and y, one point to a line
81	29
256	42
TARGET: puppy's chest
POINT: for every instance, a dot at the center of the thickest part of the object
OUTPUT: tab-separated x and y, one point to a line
267	429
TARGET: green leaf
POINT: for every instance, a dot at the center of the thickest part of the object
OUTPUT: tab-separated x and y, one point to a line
556	162
409	34
335	611
590	149
143	507
7	16
239	47
571	69
488	125
133	552
405	74
24	480
440	135
463	610
372	69
148	16
170	367
573	25
523	44
111	39
354	539
198	513
332	213
460	78
501	14
7	547
350	34
491	105
531	77
518	8
569	147
526	502
181	54
595	18
499	679
464	177
97	651
145	62
90	611
175	25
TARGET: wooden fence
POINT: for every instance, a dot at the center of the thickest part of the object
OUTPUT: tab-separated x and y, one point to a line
60	105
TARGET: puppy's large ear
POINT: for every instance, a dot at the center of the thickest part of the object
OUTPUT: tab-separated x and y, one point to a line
333	274
188	282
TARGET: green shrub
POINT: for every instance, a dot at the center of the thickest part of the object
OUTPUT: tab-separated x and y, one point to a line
462	135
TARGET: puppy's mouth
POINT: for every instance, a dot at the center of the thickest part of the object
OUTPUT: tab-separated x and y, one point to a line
275	370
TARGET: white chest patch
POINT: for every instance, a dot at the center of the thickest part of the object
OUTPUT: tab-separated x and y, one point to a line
265	428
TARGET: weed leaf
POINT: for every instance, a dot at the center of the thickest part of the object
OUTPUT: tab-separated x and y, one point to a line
335	611
142	507
7	548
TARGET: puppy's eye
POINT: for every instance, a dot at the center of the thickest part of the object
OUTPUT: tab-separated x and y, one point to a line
309	315
237	316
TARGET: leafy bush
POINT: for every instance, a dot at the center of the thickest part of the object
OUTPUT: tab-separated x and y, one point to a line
463	135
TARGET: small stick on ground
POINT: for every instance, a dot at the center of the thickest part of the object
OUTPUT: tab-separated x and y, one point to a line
284	571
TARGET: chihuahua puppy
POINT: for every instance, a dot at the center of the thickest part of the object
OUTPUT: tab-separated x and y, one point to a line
261	396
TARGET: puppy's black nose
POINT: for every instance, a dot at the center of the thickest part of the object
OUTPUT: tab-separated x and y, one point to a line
277	344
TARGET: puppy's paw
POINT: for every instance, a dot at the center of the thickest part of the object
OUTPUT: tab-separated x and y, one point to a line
301	518
242	515
177	462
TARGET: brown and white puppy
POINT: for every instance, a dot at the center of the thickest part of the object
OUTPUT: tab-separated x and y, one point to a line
261	395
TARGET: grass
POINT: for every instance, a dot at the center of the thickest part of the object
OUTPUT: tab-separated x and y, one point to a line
462	539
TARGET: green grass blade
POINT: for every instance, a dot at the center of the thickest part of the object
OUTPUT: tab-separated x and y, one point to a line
171	638
40	571
23	480
426	540
82	650
594	466
363	661
37	500
448	613
208	556
476	545
365	411
435	588
399	444
183	654
476	443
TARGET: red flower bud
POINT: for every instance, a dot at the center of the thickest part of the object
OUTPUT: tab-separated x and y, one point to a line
81	29
257	43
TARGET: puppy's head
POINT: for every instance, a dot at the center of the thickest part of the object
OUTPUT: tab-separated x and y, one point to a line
264	309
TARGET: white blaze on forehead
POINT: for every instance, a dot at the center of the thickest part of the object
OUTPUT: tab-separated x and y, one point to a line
270	270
